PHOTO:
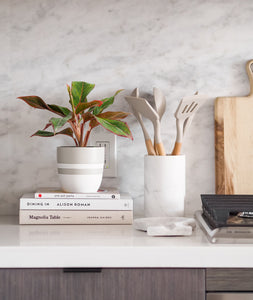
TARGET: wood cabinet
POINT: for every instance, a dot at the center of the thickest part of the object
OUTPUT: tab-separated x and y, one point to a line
122	284
229	280
102	284
229	284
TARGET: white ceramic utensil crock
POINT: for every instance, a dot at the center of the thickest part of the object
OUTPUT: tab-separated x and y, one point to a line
164	185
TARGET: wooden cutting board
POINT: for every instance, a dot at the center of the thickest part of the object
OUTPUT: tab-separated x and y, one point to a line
234	142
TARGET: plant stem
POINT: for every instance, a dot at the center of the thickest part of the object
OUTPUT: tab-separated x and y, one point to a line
86	138
75	142
71	101
81	139
76	131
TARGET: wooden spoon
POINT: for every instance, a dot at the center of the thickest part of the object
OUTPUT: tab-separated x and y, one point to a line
142	106
148	142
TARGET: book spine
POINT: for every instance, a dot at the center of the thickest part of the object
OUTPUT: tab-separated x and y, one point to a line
74	217
76	196
75	204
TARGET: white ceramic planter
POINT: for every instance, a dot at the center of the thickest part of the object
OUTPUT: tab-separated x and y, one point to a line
80	169
164	185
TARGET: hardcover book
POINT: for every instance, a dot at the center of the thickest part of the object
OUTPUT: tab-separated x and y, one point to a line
59	194
28	201
55	217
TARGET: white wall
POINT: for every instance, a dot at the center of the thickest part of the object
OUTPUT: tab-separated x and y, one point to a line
179	46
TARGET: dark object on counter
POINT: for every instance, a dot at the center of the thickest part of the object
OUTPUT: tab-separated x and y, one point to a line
225	235
227	210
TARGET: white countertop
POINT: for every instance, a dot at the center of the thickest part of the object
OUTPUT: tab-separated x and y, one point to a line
53	246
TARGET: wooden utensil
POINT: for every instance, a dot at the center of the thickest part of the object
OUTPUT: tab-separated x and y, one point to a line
148	142
160	103
185	112
234	142
188	121
142	106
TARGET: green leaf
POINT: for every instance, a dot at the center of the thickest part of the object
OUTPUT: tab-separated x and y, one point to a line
43	133
70	98
118	91
113	115
59	122
34	101
115	126
80	90
82	106
87	117
47	126
106	103
94	123
66	131
63	111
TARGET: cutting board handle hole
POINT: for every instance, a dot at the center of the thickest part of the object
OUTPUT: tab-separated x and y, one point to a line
251	67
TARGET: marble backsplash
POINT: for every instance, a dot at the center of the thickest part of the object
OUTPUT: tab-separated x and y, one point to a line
179	46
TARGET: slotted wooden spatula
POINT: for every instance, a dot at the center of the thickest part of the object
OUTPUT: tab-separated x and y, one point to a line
185	112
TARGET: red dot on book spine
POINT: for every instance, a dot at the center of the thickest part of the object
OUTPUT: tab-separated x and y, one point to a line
40	195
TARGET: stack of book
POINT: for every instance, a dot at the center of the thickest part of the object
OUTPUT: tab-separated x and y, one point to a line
55	207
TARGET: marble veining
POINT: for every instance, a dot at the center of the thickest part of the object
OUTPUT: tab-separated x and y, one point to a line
179	46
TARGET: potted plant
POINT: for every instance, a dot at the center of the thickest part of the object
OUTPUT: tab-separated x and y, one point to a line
80	168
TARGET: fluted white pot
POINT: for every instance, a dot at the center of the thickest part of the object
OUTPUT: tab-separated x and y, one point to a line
164	185
80	169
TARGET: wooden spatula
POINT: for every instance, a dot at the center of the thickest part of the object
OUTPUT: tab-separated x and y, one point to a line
160	103
184	113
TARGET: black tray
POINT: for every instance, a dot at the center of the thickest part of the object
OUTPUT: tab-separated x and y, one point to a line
224	210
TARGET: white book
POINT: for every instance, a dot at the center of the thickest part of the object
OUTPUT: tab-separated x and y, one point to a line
54	217
29	202
109	193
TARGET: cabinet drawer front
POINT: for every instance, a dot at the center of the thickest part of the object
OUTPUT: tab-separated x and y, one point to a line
229	296
102	284
229	280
